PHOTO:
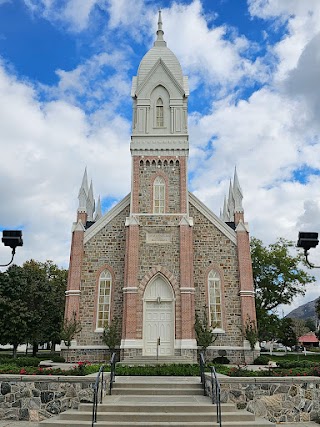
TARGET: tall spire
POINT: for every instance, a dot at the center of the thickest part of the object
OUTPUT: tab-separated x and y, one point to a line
90	203
160	41
98	214
237	192
83	193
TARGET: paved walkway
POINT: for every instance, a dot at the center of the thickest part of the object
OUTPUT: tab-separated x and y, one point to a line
29	424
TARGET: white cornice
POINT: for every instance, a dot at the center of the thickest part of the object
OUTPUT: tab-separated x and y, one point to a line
105	219
224	228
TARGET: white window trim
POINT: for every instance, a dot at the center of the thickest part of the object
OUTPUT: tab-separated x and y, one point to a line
216	278
105	275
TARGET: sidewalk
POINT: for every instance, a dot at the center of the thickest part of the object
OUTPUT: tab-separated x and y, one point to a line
35	424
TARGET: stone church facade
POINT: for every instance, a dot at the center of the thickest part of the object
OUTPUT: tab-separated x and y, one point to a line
160	255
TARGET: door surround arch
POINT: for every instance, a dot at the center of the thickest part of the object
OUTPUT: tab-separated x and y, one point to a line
158	317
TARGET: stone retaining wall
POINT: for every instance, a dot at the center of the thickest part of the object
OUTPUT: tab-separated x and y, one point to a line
285	399
37	397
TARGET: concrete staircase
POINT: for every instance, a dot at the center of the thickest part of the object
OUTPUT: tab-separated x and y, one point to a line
156	402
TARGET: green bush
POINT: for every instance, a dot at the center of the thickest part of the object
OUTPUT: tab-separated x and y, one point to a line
221	360
172	370
26	361
262	360
57	359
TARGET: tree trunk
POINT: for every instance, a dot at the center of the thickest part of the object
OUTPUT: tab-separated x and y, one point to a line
34	349
15	348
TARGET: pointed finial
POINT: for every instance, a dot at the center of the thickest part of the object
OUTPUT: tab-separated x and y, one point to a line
83	193
98	214
238	196
160	41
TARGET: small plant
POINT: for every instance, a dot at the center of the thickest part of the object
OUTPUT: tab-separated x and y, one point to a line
71	328
204	335
112	335
251	332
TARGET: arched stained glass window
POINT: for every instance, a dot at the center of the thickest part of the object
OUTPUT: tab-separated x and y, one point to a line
159	113
104	299
215	306
159	189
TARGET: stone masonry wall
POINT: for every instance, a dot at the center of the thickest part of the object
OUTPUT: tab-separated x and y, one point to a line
213	250
106	248
169	168
279	400
35	398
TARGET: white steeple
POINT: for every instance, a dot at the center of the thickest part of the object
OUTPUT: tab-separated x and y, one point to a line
237	193
160	41
98	213
90	203
231	203
83	193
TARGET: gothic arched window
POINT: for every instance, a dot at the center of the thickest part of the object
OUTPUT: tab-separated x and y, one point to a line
215	312
104	299
159	113
159	190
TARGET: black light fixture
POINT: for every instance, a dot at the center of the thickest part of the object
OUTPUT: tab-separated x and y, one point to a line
12	238
307	241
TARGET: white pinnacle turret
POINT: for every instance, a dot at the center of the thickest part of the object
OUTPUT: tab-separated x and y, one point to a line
83	193
90	203
237	193
98	214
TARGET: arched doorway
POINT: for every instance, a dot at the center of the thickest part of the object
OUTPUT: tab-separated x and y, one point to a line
158	323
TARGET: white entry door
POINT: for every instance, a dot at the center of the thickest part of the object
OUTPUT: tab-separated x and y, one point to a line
158	319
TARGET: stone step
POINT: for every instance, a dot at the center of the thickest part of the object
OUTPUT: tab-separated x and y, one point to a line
160	416
155	391
164	385
156	402
151	407
56	422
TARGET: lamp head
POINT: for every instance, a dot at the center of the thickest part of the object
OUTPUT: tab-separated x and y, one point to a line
307	240
12	238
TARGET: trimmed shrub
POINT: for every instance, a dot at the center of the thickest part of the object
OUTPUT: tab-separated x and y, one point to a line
262	360
221	360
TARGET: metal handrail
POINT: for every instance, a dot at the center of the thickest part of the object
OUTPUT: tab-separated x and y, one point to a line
99	386
112	371
216	393
202	364
96	394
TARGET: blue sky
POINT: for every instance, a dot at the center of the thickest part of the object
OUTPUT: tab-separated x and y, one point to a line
65	77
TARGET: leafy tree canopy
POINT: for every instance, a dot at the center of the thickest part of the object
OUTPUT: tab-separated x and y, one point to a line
277	273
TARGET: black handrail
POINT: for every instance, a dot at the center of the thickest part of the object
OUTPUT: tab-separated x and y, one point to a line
100	386
112	371
216	393
202	364
96	394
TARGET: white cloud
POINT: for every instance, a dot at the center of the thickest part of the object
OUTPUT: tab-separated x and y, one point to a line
215	56
44	149
302	24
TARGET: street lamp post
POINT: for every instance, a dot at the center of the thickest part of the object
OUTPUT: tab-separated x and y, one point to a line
12	238
307	241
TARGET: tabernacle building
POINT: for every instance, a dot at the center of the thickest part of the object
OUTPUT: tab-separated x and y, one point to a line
160	255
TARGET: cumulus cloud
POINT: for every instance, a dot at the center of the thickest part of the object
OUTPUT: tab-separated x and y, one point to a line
44	151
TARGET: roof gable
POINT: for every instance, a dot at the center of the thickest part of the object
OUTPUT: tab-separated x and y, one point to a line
105	219
220	225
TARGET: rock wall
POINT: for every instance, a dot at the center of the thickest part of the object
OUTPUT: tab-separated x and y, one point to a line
35	398
279	400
